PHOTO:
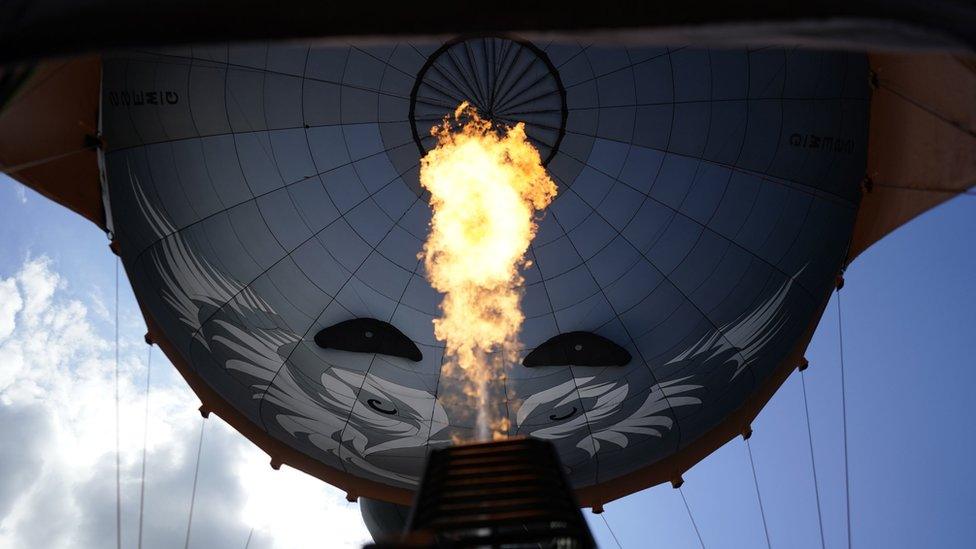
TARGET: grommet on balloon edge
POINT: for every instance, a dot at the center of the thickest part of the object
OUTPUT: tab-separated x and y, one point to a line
867	185
94	141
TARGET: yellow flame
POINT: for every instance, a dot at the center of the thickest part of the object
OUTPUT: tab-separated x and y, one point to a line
485	188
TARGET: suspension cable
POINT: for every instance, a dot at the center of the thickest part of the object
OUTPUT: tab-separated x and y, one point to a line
755	480
813	461
929	110
692	518
248	542
612	534
10	170
843	401
196	473
145	443
943	190
118	461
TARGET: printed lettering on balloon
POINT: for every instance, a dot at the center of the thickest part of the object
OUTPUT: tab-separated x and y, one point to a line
823	143
133	98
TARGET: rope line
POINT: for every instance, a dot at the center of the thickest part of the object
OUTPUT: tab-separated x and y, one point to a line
944	190
612	534
145	442
118	460
41	161
693	523
755	481
843	403
813	462
248	542
196	474
930	110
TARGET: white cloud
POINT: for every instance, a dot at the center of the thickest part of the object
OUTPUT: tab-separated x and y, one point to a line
10	305
57	444
289	523
97	305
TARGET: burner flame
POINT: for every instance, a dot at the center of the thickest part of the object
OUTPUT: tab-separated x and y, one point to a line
486	185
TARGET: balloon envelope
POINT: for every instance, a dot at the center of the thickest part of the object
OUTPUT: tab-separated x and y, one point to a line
261	195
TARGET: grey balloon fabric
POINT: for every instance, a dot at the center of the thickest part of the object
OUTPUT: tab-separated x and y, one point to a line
385	521
261	194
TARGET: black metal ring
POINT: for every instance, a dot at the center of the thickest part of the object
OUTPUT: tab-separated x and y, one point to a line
541	55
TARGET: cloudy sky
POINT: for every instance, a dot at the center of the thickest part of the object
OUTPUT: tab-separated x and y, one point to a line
57	416
909	310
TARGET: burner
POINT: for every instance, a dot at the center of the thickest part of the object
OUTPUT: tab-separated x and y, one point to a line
506	79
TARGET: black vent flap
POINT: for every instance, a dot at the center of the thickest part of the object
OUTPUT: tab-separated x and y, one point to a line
577	349
368	335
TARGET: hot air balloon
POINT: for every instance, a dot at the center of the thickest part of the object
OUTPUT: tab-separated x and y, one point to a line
264	199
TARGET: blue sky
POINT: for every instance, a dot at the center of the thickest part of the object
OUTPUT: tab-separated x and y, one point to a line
909	318
909	315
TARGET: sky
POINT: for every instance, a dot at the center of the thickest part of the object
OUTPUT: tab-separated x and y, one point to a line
908	314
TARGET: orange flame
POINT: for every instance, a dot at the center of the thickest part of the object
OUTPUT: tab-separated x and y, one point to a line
485	188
